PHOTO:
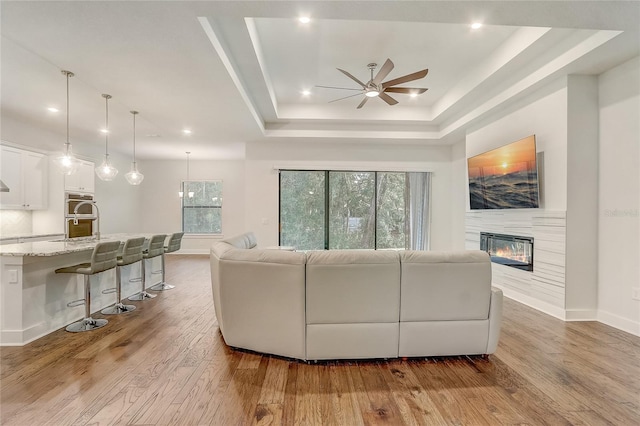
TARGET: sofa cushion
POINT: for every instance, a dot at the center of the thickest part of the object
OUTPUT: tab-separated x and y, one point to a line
353	286
443	338
348	341
242	241
445	285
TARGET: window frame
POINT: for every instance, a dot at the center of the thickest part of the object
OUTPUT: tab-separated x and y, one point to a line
327	199
182	206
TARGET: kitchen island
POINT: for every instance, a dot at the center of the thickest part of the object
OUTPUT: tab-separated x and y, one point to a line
33	298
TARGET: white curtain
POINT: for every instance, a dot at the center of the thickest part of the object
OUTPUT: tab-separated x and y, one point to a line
418	199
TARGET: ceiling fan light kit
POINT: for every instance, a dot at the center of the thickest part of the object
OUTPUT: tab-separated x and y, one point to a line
376	88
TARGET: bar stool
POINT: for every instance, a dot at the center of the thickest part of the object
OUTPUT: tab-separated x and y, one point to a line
131	253
156	248
103	258
174	245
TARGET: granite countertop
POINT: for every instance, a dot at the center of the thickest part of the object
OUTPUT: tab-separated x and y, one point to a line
58	247
10	236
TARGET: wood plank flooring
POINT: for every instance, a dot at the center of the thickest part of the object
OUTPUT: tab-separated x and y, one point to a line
166	364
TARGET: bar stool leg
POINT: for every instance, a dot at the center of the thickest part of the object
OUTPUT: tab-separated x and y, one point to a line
119	307
143	295
162	285
87	323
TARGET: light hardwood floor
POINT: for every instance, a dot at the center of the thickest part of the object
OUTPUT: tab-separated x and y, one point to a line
166	363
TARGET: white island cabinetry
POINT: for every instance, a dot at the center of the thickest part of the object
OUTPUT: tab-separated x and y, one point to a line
33	298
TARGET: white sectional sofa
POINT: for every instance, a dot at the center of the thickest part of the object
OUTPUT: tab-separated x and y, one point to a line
351	304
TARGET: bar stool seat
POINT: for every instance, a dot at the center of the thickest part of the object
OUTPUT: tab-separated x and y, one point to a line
131	253
103	258
174	244
156	248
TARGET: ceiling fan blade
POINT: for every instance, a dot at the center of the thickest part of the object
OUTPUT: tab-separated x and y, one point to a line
405	78
341	88
388	99
352	77
350	96
364	101
407	90
384	71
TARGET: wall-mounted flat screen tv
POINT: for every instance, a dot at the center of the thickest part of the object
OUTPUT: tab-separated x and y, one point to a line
505	178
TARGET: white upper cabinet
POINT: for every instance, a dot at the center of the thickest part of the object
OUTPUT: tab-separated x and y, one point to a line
83	180
25	174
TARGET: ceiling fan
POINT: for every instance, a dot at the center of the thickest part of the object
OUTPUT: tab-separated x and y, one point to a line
376	88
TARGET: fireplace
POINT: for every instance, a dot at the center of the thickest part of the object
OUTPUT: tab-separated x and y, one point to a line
510	250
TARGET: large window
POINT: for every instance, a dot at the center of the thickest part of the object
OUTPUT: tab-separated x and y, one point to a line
202	207
354	210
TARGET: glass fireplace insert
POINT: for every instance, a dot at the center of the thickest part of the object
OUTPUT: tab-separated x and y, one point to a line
509	250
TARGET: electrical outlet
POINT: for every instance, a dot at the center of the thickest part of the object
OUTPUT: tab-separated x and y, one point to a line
13	276
635	293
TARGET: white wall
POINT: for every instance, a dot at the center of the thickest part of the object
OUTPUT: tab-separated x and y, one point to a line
262	180
619	197
160	209
459	194
581	260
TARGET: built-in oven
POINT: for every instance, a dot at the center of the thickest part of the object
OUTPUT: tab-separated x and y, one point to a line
83	226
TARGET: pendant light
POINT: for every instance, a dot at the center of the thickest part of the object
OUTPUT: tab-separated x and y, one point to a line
106	171
190	194
134	177
67	162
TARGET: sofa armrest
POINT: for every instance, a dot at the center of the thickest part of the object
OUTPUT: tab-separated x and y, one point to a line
495	320
262	296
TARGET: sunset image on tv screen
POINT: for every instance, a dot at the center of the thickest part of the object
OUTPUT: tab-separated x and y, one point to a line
505	178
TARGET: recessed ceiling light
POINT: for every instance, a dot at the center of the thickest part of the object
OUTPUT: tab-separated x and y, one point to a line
52	109
306	92
104	131
304	19
186	131
413	95
476	25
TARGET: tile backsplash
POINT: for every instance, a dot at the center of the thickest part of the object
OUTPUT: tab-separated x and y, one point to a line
15	222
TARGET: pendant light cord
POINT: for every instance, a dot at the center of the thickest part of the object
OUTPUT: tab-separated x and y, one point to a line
68	74
134	135
67	147
188	166
106	135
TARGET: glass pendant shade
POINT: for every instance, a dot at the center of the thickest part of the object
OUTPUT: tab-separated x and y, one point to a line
106	171
66	162
134	177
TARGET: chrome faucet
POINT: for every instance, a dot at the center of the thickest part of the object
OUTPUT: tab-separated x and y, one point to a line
97	218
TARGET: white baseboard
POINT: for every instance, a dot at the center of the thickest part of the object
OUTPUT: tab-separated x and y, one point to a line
28	335
539	305
613	320
581	315
619	322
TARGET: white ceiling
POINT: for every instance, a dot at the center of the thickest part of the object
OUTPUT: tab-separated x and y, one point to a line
233	72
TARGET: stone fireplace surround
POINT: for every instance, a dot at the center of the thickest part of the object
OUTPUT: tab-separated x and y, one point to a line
544	287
